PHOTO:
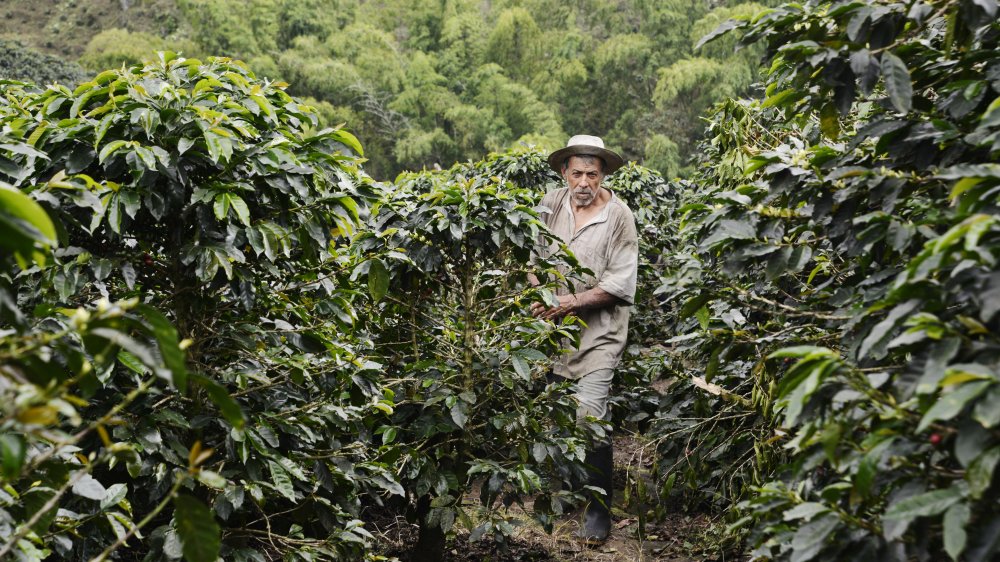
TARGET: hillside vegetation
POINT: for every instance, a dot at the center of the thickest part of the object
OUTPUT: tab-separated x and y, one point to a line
428	83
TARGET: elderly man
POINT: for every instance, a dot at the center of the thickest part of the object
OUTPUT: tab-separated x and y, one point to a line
600	230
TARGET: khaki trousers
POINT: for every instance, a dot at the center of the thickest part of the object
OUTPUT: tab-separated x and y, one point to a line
592	393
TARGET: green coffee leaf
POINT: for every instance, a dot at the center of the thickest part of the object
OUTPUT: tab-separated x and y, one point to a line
897	82
197	529
809	538
115	493
282	482
12	454
805	511
378	280
980	472
240	206
929	503
521	366
88	487
987	410
955	521
167	339
34	500
220	397
948	405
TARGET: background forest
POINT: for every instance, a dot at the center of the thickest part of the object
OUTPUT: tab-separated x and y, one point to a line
428	83
221	336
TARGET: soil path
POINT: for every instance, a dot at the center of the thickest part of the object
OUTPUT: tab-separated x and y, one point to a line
671	540
679	538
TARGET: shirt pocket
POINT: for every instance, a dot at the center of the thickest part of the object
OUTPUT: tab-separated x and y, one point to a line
592	255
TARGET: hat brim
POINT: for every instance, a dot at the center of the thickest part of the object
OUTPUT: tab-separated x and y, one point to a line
611	160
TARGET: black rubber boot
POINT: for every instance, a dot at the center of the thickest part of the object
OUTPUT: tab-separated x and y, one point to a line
597	518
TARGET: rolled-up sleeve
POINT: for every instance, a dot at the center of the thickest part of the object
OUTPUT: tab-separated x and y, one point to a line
619	276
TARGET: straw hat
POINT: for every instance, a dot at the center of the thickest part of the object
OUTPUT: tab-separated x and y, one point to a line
586	144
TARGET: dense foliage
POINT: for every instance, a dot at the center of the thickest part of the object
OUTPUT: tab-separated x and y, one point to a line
837	281
221	335
466	362
209	204
189	367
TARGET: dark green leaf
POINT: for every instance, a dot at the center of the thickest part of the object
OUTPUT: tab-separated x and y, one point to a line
166	337
282	482
12	452
988	6
955	521
951	403
197	528
693	304
722	29
897	82
987	410
980	473
378	280
809	538
929	503
220	397
971	440
880	335
34	500
984	542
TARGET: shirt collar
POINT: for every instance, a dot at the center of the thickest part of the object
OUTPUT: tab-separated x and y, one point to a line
601	217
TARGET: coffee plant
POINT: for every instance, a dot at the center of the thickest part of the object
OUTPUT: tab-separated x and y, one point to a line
54	436
211	206
835	279
450	258
18	62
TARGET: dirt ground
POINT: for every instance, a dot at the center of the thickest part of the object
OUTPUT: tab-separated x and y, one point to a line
669	541
680	537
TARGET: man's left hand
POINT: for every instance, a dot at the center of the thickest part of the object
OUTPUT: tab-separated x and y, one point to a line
567	305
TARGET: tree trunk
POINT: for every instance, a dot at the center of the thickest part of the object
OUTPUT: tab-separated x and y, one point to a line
430	540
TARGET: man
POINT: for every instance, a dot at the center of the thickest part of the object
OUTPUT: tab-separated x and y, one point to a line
600	230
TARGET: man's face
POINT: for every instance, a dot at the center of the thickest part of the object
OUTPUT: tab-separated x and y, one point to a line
584	180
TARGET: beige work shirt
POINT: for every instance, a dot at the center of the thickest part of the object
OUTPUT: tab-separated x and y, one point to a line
609	247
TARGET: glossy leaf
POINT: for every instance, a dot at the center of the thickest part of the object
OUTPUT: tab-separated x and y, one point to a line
897	82
922	505
197	529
